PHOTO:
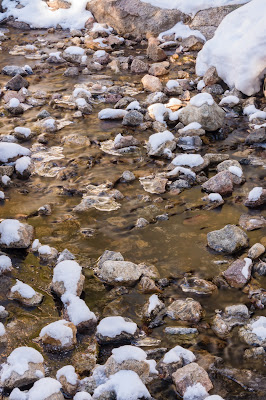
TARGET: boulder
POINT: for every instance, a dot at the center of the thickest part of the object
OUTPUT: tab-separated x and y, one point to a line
190	375
229	239
185	310
118	272
134	16
14	234
209	116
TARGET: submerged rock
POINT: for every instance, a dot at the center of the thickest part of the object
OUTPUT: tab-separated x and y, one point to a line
252	222
254	333
119	272
229	239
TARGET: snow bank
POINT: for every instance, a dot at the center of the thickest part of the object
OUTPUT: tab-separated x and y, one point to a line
44	388
18	361
37	14
182	31
192	6
238	48
114	326
126	384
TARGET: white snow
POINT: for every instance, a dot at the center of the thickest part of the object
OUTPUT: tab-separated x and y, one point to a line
126	384
259	328
13	103
235	170
5	264
251	109
23	131
114	326
202	98
180	30
12	150
99	53
44	388
75	50
17	394
23	289
58	330
157	139
238	48
158	111
195	392
179	353
81	102
259	114
214	397
192	6
82	396
134	105
152	365
200	85
245	269
190	160
229	100
80	92
73	18
77	309
110	113
44	249
101	28
18	361
181	170
172	84
192	125
68	272
5	179
9	231
35	244
153	303
22	164
255	193
215	197
125	353
69	373
2	329
2	195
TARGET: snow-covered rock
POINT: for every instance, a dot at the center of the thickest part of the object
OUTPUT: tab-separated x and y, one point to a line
67	278
68	379
10	151
77	312
59	335
46	389
116	329
238	48
5	264
160	142
23	367
25	294
14	234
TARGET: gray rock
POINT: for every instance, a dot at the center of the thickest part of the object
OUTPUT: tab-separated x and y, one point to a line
118	272
138	66
258	136
229	239
185	310
128	176
157	97
71	71
16	83
197	285
252	222
154	52
133	118
134	16
238	273
141	223
211	117
258	202
12	70
224	322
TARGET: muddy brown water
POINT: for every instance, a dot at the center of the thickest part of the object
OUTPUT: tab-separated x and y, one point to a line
176	246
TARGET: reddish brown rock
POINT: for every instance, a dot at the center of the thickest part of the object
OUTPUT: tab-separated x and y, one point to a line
238	274
220	183
190	375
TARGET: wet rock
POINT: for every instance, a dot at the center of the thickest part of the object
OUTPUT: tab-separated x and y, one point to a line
181	331
157	97
151	83
135	16
71	72
3	312
239	272
45	210
254	332
133	118
258	136
33	370
147	286
224	322
59	336
154	52
256	198
138	66
252	222
13	70
118	272
190	375
220	183
229	239
116	330
260	268
121	142
210	117
211	77
185	310
192	43
152	307
154	184
234	168
25	295
127	176
15	234
84	362
16	83
256	251
141	223
254	353
14	107
109	255
196	285
247	379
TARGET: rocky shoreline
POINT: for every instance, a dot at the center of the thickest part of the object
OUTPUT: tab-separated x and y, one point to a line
132	232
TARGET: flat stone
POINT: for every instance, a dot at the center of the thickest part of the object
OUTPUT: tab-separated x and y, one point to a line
252	222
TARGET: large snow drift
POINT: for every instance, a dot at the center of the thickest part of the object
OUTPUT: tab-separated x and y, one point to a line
38	15
192	6
238	48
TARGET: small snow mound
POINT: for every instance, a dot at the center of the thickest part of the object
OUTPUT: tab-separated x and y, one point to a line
44	388
190	160
113	326
255	193
202	98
